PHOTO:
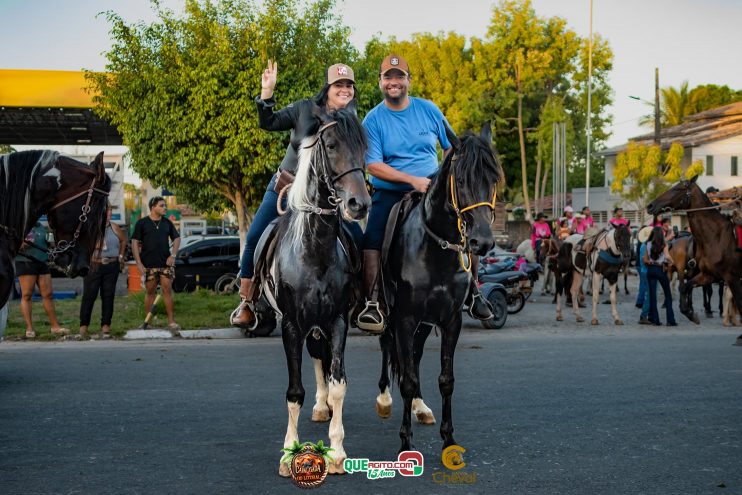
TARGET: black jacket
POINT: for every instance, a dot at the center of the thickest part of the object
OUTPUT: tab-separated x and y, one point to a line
300	117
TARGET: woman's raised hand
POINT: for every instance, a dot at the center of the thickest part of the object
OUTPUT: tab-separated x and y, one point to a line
268	80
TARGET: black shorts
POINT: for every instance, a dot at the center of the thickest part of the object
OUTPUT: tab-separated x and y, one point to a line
31	267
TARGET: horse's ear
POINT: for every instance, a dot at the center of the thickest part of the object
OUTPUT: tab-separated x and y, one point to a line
694	179
486	132
452	137
100	169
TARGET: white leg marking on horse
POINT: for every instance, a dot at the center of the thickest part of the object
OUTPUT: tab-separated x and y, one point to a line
575	289
337	433
384	404
559	307
320	411
422	412
596	296
614	308
292	434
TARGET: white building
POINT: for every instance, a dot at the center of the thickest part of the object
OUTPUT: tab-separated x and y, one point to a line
713	136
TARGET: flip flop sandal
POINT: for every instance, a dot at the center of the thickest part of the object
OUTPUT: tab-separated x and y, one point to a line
30	334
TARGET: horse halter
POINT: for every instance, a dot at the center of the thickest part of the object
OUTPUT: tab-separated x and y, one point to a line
461	247
327	175
64	245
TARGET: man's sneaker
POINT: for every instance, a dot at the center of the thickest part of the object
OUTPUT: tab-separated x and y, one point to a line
644	321
371	319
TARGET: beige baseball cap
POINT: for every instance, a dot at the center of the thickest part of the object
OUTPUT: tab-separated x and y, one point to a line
339	72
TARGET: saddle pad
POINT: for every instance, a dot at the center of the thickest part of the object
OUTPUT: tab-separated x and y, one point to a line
397	217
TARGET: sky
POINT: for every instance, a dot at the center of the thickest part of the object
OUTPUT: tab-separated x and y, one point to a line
688	40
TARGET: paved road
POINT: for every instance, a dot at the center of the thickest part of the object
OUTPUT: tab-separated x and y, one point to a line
541	407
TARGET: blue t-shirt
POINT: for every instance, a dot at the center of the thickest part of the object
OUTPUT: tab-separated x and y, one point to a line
405	140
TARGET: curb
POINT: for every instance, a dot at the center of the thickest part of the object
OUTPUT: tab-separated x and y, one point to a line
209	333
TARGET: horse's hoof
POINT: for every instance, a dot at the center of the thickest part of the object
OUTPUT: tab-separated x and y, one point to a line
738	341
336	467
579	319
425	418
726	324
618	322
384	411
284	470
695	319
320	415
560	318
594	321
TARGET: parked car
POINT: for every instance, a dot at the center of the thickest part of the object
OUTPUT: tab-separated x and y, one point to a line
202	262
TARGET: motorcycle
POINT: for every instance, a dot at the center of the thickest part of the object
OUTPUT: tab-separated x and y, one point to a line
518	283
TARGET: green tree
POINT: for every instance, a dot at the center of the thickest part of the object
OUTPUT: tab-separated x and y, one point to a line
180	90
644	172
678	103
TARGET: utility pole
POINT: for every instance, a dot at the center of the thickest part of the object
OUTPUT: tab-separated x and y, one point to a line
656	106
589	104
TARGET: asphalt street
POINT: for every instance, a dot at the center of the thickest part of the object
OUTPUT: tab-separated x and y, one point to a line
541	408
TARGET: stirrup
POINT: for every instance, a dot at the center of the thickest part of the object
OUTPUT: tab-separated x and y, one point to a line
234	313
487	304
375	323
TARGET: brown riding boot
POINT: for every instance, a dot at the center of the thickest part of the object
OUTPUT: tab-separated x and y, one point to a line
479	307
371	319
243	315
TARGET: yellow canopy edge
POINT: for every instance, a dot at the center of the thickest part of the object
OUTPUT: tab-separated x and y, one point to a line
44	88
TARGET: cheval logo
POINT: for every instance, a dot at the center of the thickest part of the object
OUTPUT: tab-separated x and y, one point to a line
452	457
307	463
408	463
342	70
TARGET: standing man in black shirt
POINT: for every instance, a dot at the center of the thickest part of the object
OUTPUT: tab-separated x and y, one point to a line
150	247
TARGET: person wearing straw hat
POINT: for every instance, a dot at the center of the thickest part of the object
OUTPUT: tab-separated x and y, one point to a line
338	92
642	298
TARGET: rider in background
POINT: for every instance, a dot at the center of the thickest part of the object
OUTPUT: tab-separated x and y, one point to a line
568	218
618	218
337	93
539	232
583	221
403	134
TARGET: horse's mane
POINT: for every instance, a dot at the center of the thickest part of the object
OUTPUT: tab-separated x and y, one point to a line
476	161
18	172
350	132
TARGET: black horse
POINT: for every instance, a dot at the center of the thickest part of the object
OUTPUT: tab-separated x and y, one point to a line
313	271
426	274
72	195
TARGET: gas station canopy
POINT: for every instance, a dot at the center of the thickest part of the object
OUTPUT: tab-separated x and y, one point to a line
50	108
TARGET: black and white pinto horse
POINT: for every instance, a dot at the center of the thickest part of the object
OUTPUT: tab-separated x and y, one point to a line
427	275
603	258
312	272
72	195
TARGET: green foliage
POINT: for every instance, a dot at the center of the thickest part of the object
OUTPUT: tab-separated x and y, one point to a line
644	172
180	91
678	103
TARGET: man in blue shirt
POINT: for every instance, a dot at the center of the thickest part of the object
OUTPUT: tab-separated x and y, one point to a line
403	134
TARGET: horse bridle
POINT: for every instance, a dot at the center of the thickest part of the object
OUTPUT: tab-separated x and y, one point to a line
63	245
327	175
461	247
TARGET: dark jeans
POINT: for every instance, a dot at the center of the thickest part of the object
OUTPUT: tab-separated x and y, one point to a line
382	203
657	274
103	278
267	212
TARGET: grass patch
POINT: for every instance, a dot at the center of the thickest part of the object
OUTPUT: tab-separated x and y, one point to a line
193	310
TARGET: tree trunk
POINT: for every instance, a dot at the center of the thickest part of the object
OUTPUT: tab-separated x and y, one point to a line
524	175
537	198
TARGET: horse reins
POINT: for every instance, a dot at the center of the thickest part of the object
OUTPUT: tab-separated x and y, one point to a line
461	247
